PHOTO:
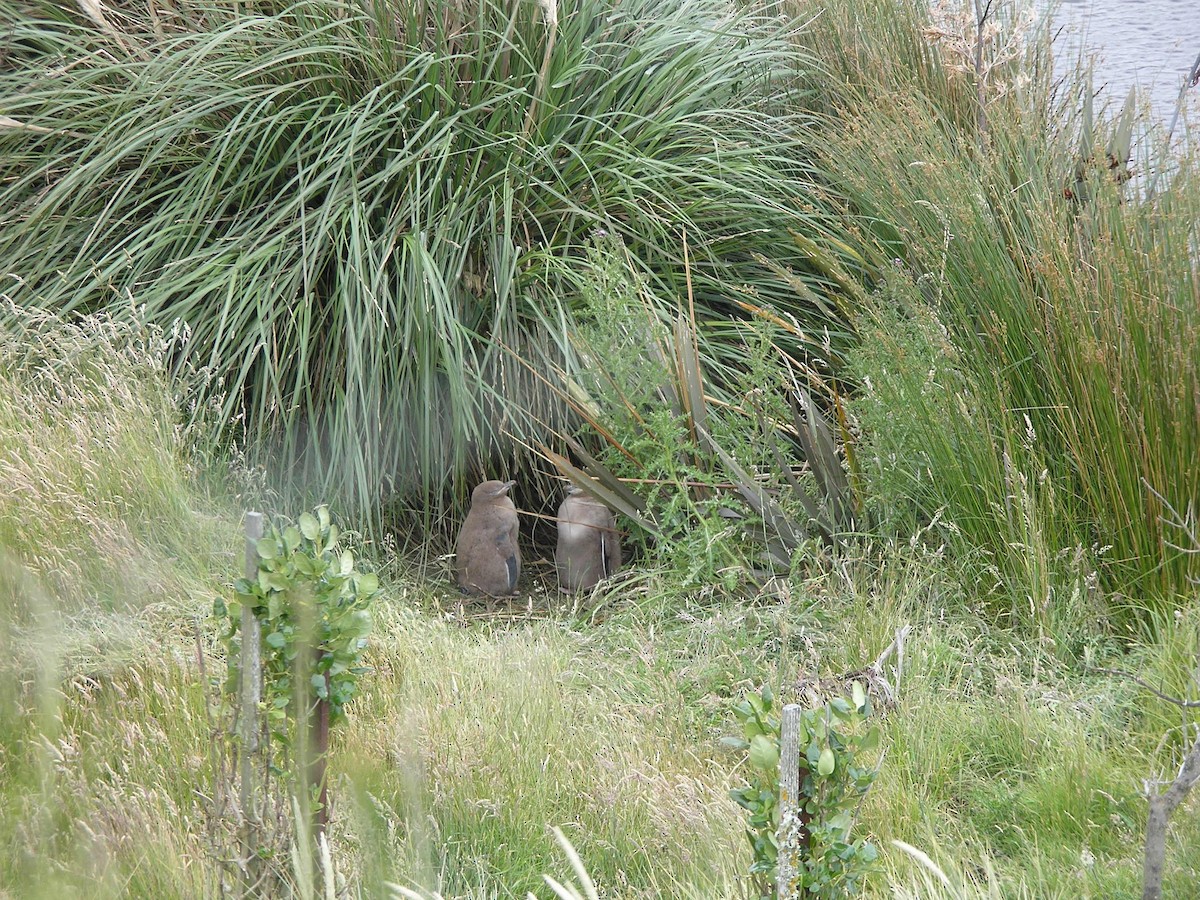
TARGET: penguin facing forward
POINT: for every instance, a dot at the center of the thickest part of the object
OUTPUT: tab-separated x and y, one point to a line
588	546
486	557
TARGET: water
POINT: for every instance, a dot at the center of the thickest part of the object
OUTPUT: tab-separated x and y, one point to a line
1148	44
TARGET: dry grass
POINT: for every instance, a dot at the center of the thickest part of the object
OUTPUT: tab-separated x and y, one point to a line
100	523
496	738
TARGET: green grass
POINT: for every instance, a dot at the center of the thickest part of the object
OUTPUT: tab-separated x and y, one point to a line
470	740
362	215
101	525
1032	362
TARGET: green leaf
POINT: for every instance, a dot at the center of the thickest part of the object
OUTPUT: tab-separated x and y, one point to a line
764	753
306	565
827	762
359	624
273	581
347	562
267	548
275	640
323	516
367	584
734	743
859	695
309	526
870	740
840	822
291	539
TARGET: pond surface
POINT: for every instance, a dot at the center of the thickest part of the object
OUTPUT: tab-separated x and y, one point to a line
1150	44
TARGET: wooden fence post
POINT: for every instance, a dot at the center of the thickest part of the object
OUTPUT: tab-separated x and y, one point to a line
250	696
789	793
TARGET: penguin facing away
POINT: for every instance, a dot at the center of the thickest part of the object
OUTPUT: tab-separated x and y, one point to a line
589	548
486	557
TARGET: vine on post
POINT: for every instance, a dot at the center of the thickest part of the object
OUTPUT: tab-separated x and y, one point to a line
821	858
313	608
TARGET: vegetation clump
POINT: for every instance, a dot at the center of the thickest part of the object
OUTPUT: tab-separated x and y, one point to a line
361	211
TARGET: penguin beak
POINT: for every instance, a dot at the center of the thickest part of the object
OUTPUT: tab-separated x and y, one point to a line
504	488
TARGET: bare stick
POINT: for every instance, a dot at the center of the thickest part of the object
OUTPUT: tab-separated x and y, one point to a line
1185	522
895	647
1182	704
982	13
1190	80
318	756
251	674
1161	807
789	793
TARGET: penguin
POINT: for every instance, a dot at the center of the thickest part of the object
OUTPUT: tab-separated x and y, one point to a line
487	559
589	548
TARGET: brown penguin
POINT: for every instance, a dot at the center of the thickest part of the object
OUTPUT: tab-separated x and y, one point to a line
588	546
487	560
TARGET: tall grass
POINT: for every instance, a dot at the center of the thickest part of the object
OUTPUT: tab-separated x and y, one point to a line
101	522
360	210
1064	310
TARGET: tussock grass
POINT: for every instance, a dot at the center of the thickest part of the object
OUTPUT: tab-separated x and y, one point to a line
100	523
359	212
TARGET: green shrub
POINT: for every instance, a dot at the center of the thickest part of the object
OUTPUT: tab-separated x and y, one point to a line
823	861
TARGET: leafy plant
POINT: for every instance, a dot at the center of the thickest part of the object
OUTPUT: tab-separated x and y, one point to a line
313	605
725	480
823	860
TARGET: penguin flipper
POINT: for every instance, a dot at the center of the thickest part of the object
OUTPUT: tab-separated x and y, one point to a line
604	558
514	567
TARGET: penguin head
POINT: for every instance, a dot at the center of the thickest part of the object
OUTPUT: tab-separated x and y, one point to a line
490	490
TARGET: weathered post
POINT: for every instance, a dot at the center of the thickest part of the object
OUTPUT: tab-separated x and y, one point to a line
789	794
249	699
318	749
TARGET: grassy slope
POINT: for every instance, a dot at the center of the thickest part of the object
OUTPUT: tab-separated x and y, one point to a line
472	738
